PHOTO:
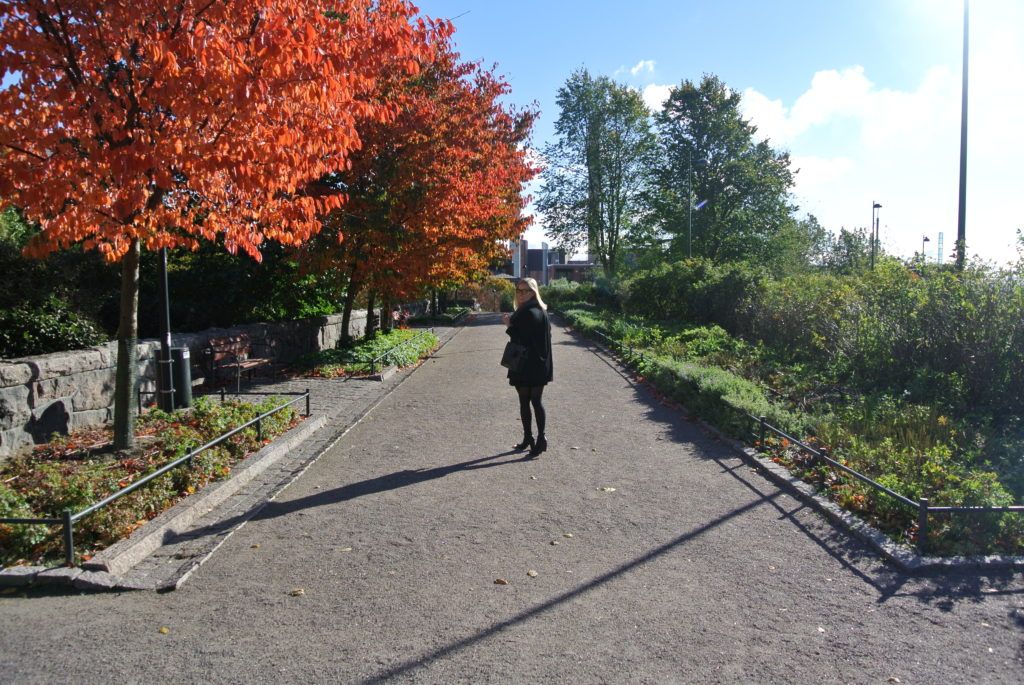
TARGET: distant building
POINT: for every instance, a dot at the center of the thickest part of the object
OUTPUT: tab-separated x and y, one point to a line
535	263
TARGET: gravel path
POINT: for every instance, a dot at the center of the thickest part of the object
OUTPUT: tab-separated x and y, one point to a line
658	556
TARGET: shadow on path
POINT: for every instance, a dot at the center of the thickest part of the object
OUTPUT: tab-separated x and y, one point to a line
391	481
554	602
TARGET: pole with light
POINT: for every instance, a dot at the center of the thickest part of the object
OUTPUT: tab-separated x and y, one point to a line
924	239
873	229
689	200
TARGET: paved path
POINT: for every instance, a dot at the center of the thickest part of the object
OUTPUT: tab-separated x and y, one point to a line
659	557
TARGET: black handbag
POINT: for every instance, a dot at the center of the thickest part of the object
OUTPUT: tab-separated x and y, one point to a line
513	357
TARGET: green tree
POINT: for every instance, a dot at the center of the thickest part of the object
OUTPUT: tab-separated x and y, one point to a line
709	156
593	188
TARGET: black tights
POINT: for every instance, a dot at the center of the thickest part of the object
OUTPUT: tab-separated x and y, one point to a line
531	395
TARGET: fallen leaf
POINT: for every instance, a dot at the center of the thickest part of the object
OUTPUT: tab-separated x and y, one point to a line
607	489
894	679
254	546
566	535
500	581
164	631
574	448
554	542
345	549
531	573
297	592
533	477
820	629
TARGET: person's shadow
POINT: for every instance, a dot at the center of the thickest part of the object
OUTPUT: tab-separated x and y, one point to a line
391	481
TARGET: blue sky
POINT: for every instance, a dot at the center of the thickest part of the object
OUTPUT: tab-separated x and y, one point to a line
864	94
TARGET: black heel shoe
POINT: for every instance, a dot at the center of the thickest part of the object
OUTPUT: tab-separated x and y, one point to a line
539	446
527	442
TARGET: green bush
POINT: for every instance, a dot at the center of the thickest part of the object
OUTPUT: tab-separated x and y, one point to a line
565	294
693	291
355	358
39	328
720	397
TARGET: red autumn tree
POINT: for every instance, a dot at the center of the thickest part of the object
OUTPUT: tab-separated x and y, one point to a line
434	192
156	123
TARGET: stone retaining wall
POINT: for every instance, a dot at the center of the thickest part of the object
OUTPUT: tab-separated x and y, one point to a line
63	391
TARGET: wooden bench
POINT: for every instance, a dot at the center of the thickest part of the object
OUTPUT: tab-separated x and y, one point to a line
235	352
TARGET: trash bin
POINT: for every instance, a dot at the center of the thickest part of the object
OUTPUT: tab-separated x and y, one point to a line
181	370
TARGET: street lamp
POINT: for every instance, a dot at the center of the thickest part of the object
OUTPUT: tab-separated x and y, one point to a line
874	231
924	239
689	200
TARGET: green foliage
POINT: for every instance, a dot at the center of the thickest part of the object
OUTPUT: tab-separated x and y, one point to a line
41	327
47	305
75	471
952	339
247	291
593	189
355	358
562	293
492	293
717	395
445	318
695	291
709	153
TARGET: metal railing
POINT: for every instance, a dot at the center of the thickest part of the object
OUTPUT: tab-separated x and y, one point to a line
923	507
67	519
373	362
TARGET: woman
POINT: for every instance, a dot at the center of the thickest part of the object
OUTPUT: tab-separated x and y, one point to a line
529	326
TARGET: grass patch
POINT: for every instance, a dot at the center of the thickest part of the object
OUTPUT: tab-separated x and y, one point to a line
75	471
356	358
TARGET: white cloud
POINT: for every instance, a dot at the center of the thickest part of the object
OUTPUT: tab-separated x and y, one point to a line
816	172
654	96
856	143
642	66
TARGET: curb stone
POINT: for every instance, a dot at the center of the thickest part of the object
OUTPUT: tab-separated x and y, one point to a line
123	555
902	556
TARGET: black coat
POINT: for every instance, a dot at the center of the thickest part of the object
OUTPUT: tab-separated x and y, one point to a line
529	326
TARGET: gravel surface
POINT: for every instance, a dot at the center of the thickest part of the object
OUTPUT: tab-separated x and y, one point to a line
637	549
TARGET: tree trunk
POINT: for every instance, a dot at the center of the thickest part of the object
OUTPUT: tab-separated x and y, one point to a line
126	399
387	320
371	317
346	311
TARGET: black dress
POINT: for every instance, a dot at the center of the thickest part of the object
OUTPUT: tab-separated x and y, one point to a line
529	326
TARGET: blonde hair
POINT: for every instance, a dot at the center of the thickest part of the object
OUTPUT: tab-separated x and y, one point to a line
536	292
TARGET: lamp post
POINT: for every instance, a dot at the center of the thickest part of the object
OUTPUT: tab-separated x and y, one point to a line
165	375
924	239
873	228
689	201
